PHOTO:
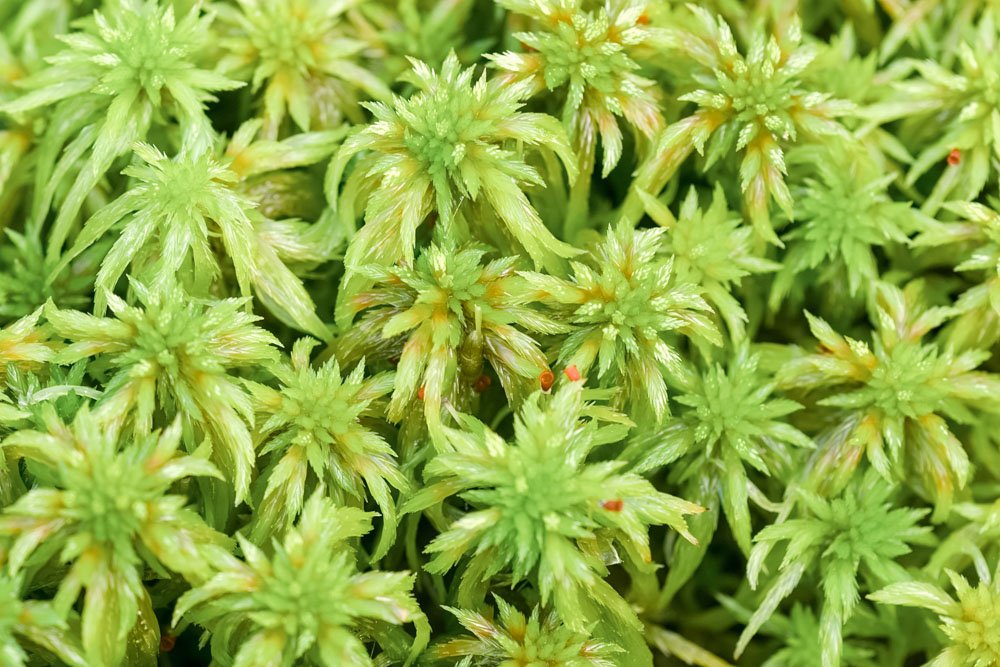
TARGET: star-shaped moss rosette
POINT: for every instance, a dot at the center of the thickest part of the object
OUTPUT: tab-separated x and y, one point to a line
312	431
127	70
457	147
851	542
844	218
894	401
178	210
450	318
712	248
171	212
308	603
590	58
730	430
302	59
542	510
627	305
173	355
969	619
107	511
754	105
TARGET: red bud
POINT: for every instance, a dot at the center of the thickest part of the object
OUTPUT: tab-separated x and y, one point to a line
546	379
613	505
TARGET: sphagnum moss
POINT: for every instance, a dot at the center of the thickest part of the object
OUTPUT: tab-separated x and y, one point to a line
499	333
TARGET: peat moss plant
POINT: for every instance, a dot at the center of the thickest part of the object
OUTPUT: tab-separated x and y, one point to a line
500	333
